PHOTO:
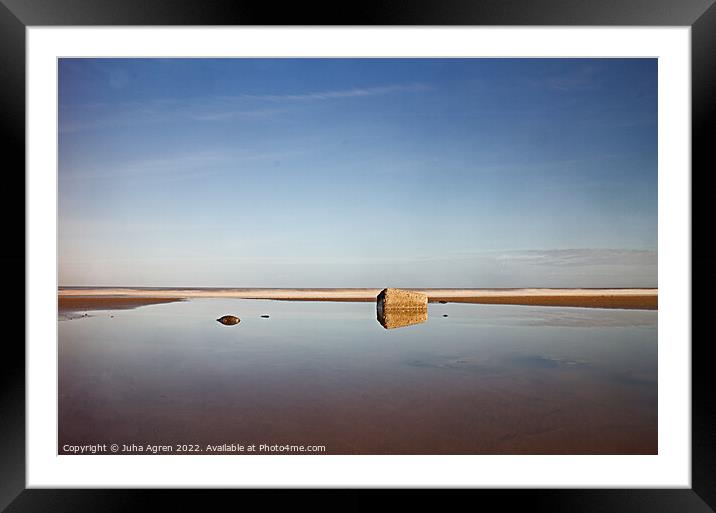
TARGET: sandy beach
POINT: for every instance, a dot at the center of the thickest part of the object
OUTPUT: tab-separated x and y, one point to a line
72	299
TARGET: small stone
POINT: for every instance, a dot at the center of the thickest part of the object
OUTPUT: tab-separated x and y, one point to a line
445	315
229	320
265	316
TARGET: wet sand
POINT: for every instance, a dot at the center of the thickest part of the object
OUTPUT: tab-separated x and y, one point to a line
72	299
67	304
635	302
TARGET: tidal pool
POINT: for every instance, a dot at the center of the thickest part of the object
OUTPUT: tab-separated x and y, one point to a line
486	379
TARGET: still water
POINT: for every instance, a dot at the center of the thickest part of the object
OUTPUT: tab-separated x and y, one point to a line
486	379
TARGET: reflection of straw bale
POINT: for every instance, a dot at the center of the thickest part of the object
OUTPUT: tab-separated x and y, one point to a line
391	318
397	298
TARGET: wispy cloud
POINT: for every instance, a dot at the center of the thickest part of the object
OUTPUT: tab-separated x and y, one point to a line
179	166
219	115
78	118
555	258
227	107
580	257
339	94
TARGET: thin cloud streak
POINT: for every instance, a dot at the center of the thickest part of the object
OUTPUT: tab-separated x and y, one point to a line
177	166
570	257
212	108
346	93
581	257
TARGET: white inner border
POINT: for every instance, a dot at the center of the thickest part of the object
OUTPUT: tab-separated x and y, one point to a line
672	466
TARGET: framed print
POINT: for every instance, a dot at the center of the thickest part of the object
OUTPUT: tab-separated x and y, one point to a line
443	247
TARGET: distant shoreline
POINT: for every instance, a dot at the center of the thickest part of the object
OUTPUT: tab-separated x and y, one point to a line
95	298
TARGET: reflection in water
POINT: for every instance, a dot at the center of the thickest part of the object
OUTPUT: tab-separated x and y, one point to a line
495	379
391	318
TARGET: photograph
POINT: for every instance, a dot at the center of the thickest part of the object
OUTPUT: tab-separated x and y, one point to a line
357	256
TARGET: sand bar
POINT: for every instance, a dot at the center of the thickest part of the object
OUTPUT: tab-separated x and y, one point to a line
643	299
74	303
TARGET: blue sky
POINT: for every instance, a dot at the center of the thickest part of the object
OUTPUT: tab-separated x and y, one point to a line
358	172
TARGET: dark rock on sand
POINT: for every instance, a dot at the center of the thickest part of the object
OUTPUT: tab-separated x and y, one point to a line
229	320
265	316
445	315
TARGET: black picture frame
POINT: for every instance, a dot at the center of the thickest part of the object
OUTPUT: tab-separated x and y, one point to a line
16	15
